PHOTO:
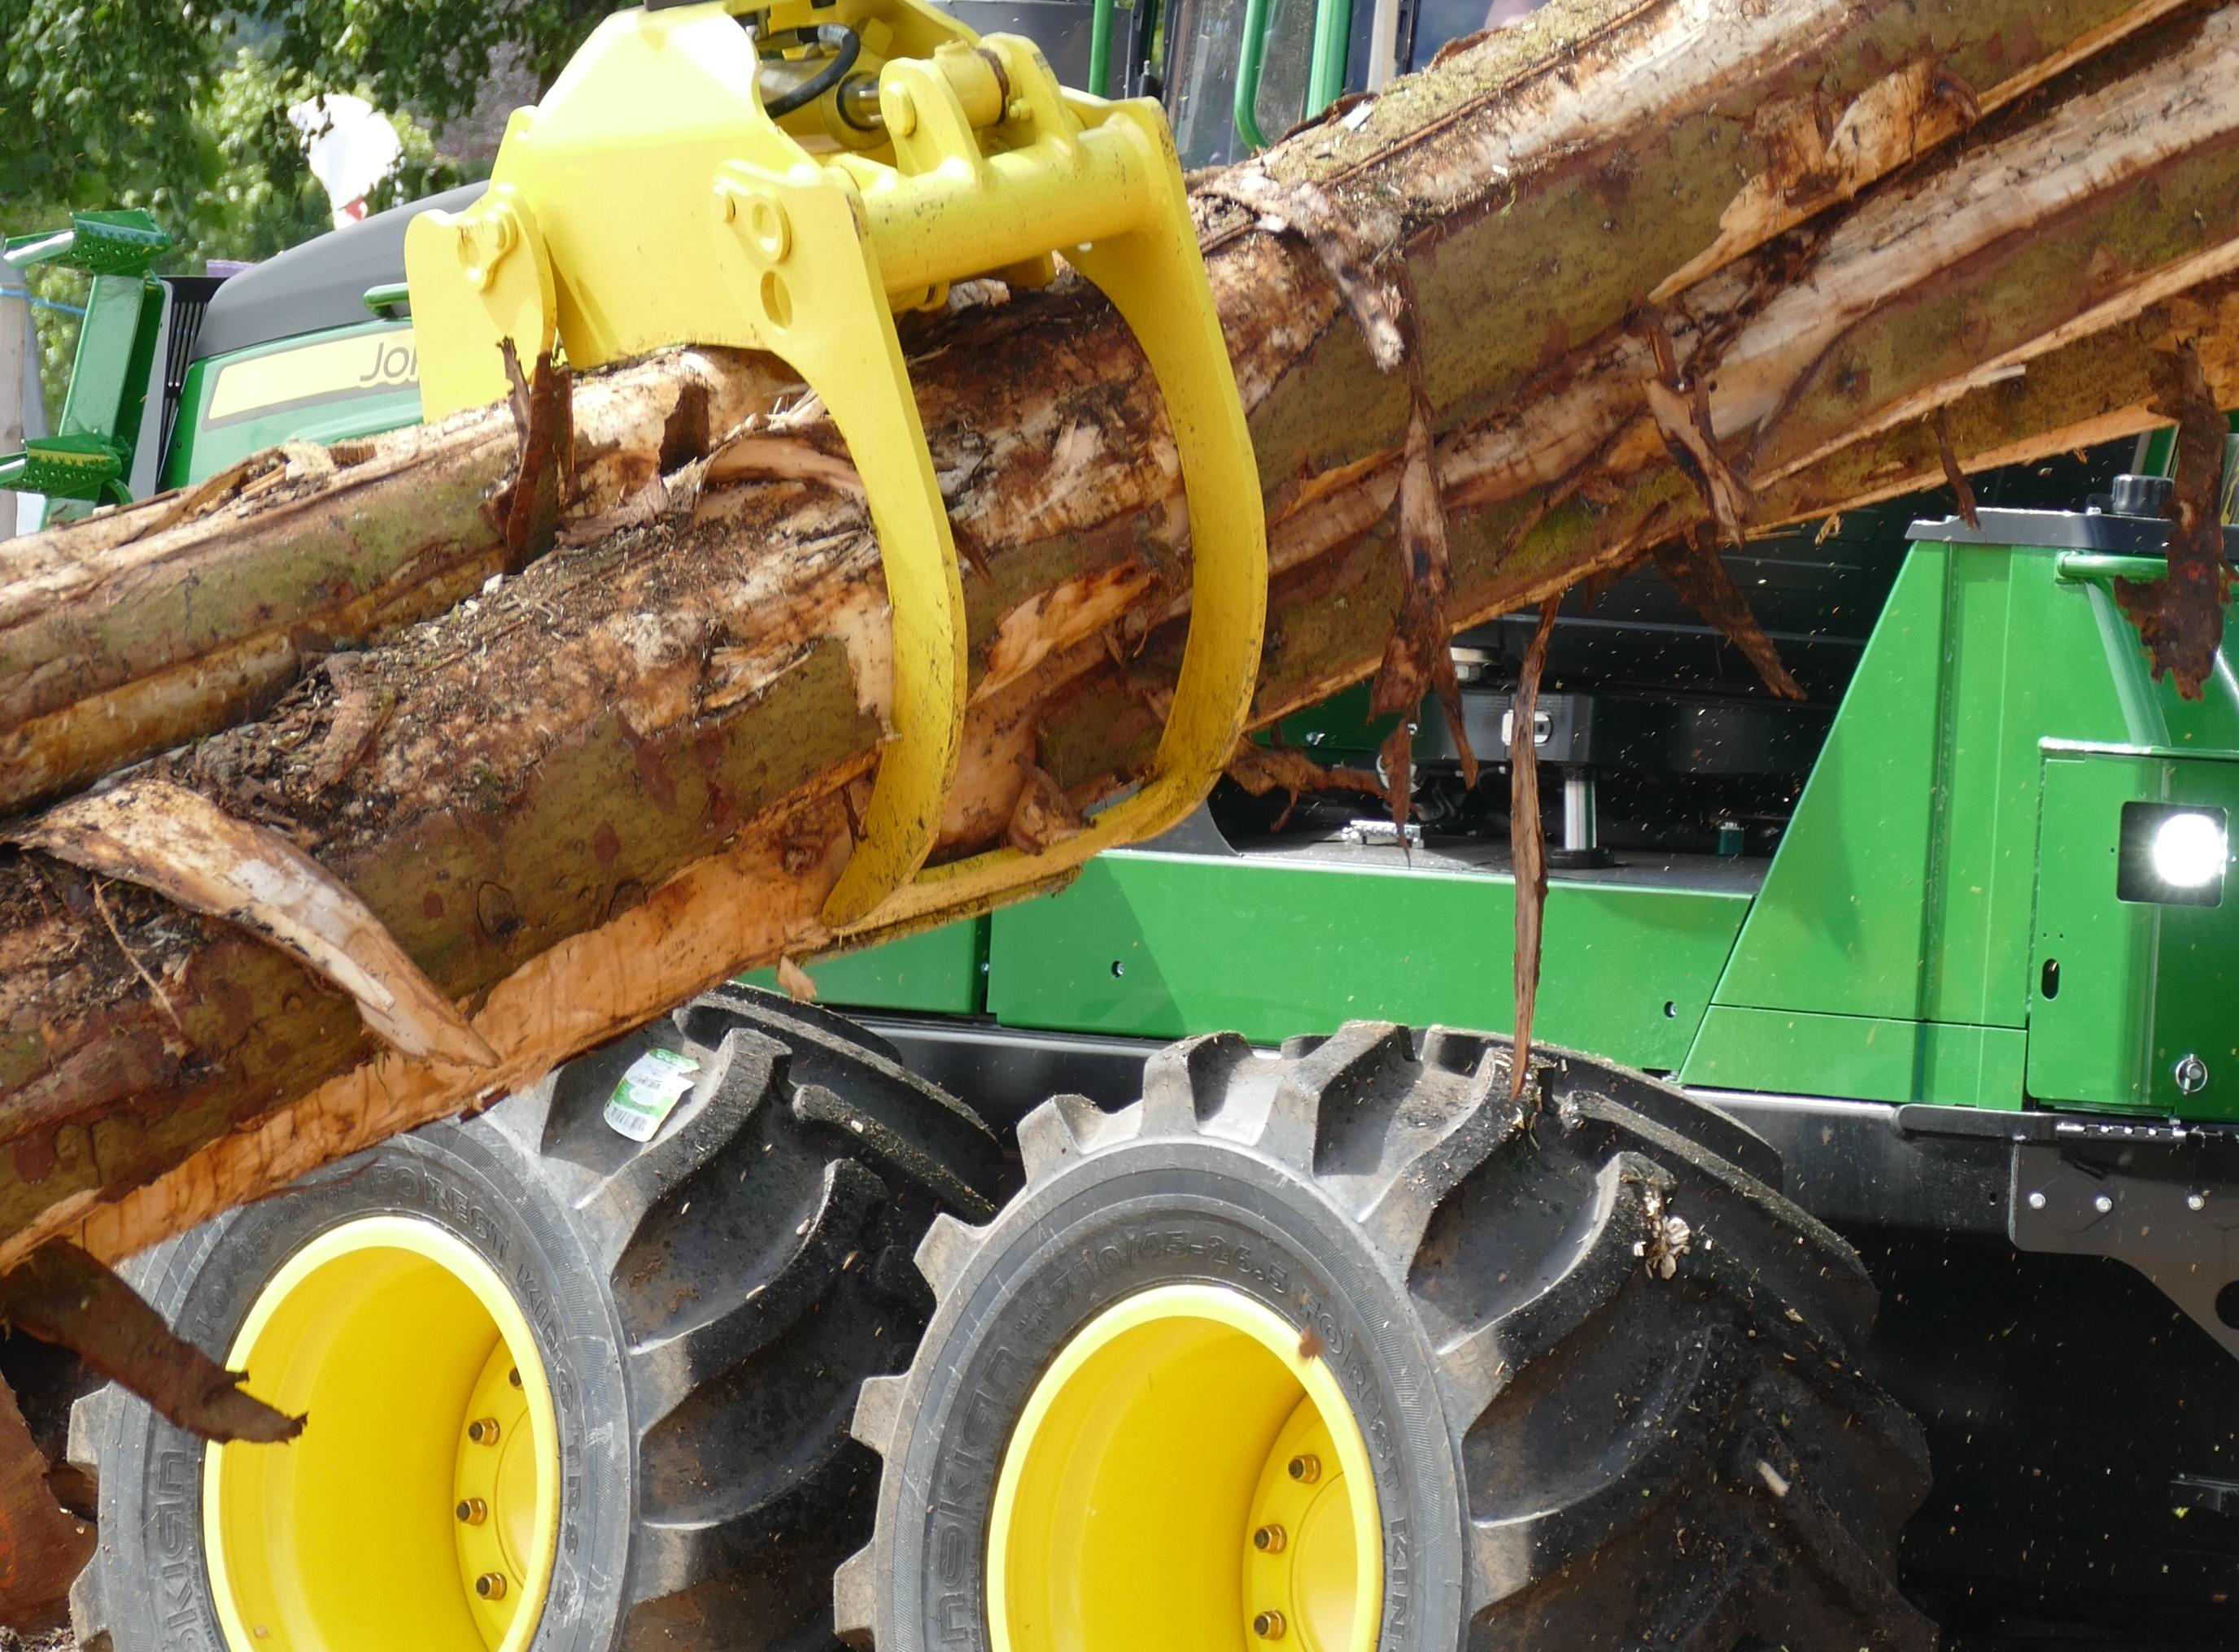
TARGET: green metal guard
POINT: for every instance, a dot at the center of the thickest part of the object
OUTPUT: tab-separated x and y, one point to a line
87	459
1099	48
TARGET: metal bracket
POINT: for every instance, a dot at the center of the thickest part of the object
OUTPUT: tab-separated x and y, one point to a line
2163	1198
652	199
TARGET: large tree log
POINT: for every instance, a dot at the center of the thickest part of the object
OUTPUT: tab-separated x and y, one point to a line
625	773
1681	137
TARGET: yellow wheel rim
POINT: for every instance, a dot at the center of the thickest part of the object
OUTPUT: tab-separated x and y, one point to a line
1183	1476
417	1511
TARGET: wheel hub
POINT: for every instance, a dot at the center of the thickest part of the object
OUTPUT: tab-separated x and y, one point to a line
1186	1475
418	1510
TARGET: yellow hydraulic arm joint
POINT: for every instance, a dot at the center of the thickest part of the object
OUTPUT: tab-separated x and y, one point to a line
783	177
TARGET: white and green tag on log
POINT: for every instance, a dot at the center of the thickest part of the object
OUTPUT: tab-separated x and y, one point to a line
649	1091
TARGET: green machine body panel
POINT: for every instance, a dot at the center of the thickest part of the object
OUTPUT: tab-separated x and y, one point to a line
2123	992
1896	951
329	386
1158	945
936	972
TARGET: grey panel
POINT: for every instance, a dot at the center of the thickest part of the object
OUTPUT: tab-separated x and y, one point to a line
318	285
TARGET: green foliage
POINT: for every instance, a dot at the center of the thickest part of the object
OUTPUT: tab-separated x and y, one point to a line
180	106
431	56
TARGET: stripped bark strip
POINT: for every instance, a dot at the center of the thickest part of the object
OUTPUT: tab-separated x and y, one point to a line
1818	159
1353	249
543	412
42	1548
1419	657
2180	618
1683	418
1954	477
62	1296
1261	769
1527	842
1692	565
176	842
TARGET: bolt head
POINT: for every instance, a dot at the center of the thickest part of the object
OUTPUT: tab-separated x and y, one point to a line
1269	1626
1270	1539
2102	1204
901	109
2196	1201
2036	1201
490	1586
2190	1074
482	1430
1306	1469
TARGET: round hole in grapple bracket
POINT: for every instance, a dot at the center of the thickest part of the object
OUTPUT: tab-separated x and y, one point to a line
2227	1305
2048	978
1119	969
1670	1009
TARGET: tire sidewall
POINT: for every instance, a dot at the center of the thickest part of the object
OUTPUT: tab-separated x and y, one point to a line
1118	1224
468	1181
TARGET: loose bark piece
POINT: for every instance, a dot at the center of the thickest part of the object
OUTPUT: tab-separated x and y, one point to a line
1684	419
42	1548
543	412
2180	618
1954	478
1261	769
1693	566
1906	113
1419	659
61	1295
361	709
795	980
1527	842
176	842
1351	248
1397	757
1043	815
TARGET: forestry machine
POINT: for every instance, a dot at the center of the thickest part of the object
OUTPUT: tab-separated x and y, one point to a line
763	1328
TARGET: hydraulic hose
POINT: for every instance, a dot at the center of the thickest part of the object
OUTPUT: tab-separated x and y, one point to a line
845	45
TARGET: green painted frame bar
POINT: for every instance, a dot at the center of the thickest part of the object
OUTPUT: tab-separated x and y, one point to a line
936	972
1158	945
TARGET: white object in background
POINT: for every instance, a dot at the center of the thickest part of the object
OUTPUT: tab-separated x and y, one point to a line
351	147
23	403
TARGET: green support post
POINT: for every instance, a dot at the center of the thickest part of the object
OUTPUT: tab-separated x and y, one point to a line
89	457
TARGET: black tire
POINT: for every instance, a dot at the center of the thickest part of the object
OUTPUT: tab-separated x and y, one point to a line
705	1306
1606	1375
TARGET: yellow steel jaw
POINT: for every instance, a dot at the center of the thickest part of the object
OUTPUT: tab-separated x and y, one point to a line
651	199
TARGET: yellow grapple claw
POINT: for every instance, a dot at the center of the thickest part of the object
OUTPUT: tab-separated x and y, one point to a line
651	199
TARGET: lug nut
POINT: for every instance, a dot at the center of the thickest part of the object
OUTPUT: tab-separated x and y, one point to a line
472	1511
1306	1469
513	1376
1269	1626
1269	1540
482	1430
490	1586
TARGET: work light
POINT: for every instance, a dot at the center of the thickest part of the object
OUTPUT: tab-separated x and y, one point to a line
2175	854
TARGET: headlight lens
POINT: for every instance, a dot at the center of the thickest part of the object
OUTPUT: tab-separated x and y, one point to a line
2173	854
